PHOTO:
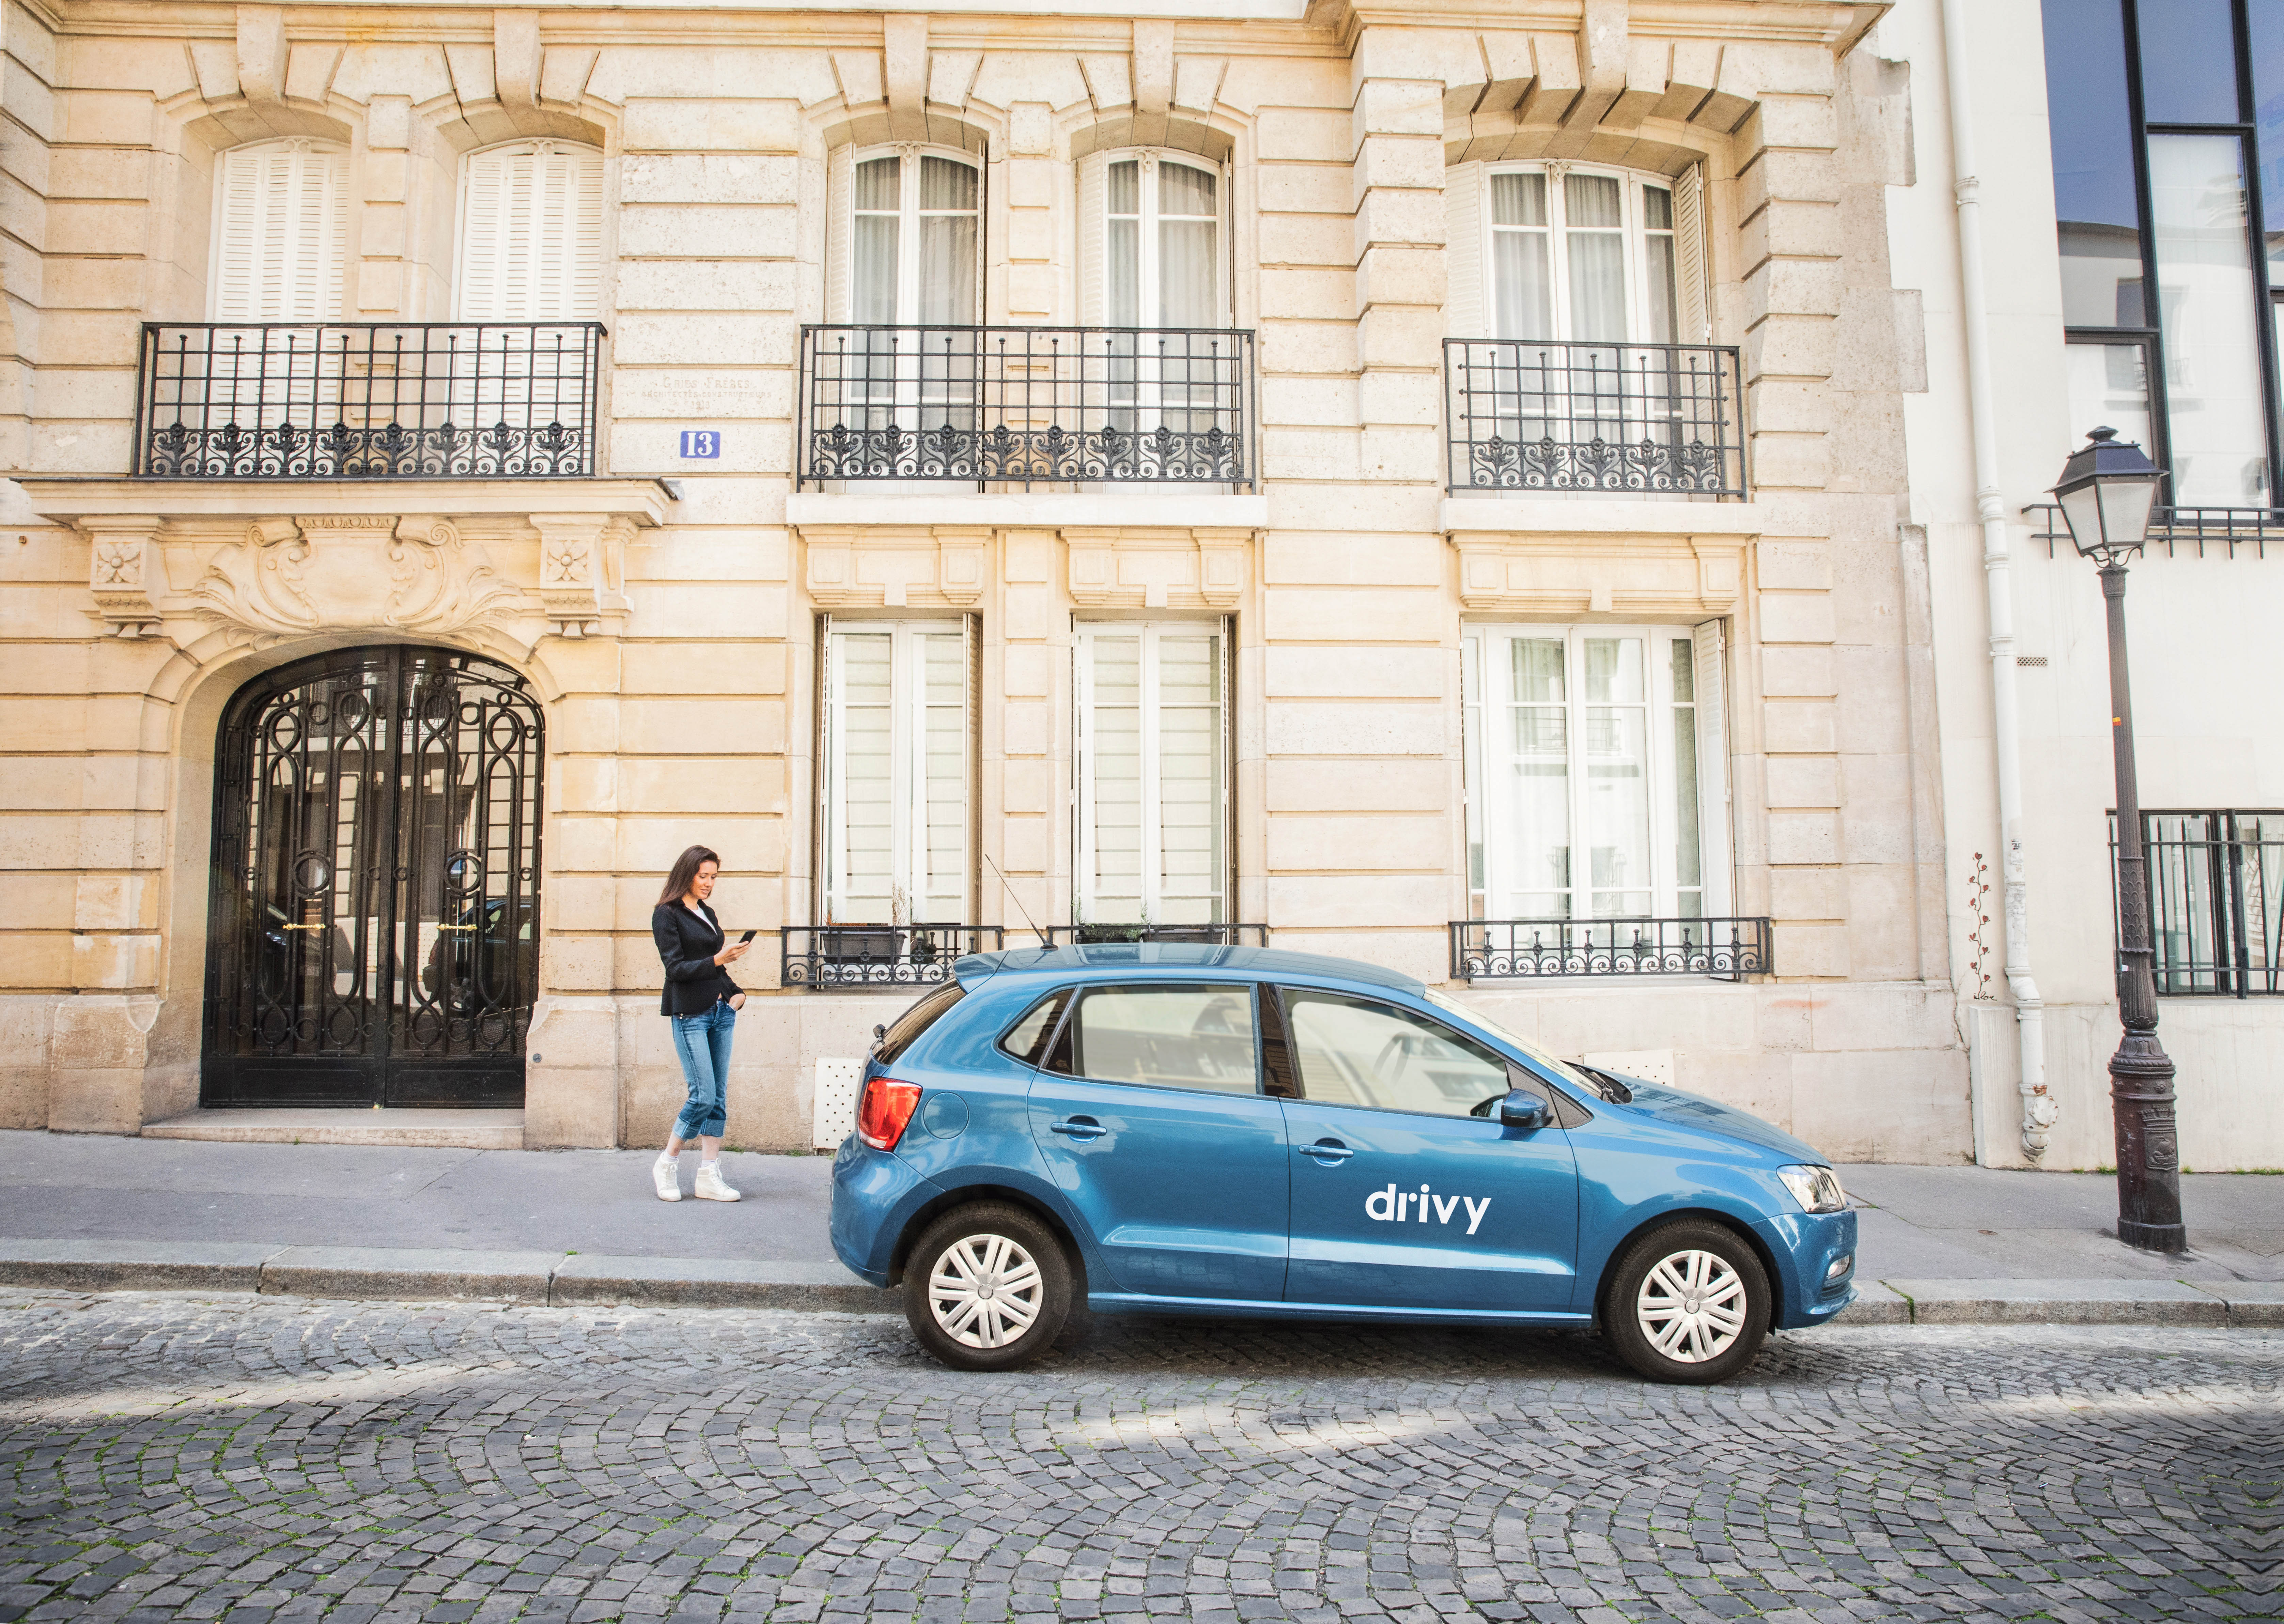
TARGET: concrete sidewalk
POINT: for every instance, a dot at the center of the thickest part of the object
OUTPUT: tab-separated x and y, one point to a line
1939	1244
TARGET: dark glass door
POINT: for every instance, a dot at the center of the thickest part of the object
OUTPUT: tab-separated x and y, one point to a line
373	936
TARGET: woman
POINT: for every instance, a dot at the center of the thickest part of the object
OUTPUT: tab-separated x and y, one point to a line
702	1002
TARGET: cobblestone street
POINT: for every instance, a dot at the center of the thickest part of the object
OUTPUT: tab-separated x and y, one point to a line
247	1458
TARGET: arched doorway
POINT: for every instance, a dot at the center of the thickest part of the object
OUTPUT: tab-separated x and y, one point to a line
373	933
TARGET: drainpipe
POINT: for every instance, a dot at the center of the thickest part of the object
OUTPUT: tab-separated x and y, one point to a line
2039	1110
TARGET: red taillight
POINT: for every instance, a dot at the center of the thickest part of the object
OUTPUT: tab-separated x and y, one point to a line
887	1107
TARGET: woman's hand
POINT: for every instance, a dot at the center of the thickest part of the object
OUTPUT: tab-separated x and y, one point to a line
737	1001
731	954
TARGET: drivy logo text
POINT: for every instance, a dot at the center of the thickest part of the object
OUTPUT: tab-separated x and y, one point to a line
1394	1206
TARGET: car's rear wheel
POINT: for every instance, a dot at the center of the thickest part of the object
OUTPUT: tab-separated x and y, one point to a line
987	1288
1689	1302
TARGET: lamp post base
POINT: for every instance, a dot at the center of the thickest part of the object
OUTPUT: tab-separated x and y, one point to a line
2154	1238
2149	1144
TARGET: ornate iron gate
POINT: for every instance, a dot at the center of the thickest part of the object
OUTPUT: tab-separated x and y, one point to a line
373	936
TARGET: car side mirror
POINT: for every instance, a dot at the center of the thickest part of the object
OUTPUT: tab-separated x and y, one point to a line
1524	1109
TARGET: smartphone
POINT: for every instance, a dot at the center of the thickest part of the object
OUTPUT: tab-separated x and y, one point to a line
748	936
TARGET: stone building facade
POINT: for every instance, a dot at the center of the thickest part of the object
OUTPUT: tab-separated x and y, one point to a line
1354	473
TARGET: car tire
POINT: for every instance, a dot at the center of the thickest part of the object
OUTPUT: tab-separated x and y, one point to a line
987	1286
1687	1303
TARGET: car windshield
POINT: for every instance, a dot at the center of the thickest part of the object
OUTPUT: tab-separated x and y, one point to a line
1562	1069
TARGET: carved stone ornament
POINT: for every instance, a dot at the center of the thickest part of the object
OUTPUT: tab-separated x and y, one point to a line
897	566
122	571
1643	577
363	572
1159	569
581	559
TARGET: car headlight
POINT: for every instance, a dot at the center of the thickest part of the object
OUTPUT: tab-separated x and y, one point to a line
1816	1189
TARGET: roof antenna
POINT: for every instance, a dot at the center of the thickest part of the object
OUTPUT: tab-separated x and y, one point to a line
1018	902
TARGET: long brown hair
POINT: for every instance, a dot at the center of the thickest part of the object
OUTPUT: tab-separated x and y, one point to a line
684	870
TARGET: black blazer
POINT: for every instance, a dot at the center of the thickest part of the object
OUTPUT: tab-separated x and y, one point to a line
686	946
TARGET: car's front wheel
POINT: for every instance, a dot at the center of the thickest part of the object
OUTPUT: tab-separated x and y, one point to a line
1689	1302
987	1288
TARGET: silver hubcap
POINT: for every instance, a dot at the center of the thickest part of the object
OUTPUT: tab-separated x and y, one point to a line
984	1291
1691	1306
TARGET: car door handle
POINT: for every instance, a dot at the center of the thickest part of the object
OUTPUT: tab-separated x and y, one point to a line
1325	1152
1079	1127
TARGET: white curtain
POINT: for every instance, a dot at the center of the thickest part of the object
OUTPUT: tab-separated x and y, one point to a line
1661	295
877	205
1522	290
948	219
1187	219
1595	244
896	781
1122	243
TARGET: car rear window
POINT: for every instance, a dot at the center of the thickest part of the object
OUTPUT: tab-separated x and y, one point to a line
1187	1036
908	1027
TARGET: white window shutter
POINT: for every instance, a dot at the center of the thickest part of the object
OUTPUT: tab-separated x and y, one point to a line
940	778
864	826
1112	792
1462	252
1187	779
531	233
1093	301
281	232
1708	665
1693	319
840	201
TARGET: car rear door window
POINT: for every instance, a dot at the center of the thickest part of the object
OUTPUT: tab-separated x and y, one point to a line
1026	1040
1356	1051
1181	1036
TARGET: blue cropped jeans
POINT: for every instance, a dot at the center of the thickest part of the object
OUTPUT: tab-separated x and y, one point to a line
703	1043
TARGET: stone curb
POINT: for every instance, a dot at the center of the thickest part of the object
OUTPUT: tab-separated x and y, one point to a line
568	1278
412	1275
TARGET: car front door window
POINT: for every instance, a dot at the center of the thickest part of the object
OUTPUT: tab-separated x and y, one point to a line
1352	1051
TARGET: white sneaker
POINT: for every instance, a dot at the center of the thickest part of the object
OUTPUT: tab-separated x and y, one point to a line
668	1177
711	1186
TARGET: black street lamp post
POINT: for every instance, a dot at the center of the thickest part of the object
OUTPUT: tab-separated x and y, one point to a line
2106	493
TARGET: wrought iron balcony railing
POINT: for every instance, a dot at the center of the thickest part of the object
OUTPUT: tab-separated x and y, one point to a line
2216	901
878	958
1534	949
2254	529
1027	406
1528	417
1208	936
507	400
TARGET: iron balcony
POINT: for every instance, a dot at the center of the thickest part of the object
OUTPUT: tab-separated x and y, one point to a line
1726	949
368	400
1023	407
1530	417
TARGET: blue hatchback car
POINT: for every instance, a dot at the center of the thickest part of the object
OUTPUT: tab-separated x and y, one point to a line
1244	1131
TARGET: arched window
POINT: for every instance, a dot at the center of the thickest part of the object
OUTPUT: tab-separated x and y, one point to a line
1567	252
1150	245
281	231
531	233
907	238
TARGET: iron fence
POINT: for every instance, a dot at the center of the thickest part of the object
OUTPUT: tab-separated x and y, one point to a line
1530	949
2216	901
1529	416
509	400
1026	406
2175	528
862	958
1208	936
